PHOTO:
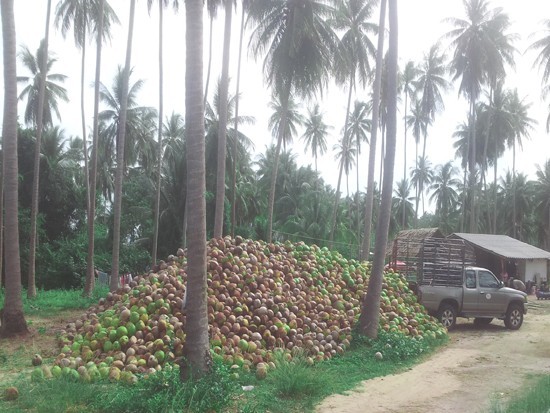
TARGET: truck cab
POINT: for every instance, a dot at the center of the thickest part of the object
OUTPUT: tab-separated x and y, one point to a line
481	296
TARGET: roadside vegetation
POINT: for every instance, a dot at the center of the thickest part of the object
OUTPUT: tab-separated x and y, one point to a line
534	397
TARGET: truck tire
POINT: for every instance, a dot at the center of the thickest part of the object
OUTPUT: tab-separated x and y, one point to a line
447	316
514	317
480	321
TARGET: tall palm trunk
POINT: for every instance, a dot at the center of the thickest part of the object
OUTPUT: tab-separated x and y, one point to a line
271	201
472	183
197	347
117	205
485	168
90	276
205	98
514	219
404	159
235	141
1	226
495	200
83	121
222	128
159	156
365	250
345	143
33	243
370	310
13	320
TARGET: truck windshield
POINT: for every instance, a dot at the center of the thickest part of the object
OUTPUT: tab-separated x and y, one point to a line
487	280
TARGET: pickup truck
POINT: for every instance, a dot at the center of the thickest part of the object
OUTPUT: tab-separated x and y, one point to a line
480	296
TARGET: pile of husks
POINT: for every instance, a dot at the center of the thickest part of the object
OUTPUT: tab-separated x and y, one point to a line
261	297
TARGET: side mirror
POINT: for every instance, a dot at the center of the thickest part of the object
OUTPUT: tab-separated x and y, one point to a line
501	284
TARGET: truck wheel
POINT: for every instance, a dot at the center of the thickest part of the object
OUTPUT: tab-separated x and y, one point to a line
447	316
479	321
514	317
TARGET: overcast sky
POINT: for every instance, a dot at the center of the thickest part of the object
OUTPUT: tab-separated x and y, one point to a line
420	26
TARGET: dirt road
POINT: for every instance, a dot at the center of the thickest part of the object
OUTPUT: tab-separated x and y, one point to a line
477	366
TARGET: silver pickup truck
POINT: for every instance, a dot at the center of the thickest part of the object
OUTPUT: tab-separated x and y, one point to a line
481	296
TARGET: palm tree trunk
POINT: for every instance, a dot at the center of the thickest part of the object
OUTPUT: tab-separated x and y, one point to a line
370	309
159	157
365	250
222	128
117	204
235	142
1	226
83	120
514	219
90	273
33	243
495	200
473	183
345	142
197	347
404	159
335	207
205	98
12	320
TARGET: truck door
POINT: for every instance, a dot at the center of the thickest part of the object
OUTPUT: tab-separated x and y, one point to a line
471	294
490	299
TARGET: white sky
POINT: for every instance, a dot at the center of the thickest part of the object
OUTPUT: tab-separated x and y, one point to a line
420	26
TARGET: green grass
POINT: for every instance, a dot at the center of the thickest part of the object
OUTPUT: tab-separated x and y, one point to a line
291	387
535	400
52	302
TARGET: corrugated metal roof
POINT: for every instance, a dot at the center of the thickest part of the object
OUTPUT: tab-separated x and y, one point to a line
504	246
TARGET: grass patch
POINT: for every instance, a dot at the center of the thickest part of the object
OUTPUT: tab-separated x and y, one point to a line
535	400
52	302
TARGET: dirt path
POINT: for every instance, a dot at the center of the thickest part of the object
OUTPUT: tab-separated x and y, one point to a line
477	366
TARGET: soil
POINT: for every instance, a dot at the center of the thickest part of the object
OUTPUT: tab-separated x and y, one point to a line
480	367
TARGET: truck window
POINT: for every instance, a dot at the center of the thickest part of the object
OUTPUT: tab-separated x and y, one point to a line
470	279
487	280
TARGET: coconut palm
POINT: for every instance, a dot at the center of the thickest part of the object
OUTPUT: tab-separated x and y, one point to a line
285	120
300	48
408	82
365	245
13	318
481	51
222	130
431	84
121	143
315	134
197	346
83	17
370	312
542	196
38	118
542	60
403	202
521	124
212	10
421	177
162	4
444	187
54	92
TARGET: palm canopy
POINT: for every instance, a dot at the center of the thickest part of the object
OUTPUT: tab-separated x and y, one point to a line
315	135
83	17
418	121
481	47
521	123
291	116
431	82
345	154
359	123
444	186
299	42
356	49
53	91
542	45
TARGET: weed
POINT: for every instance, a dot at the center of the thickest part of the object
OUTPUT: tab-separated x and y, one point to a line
535	399
294	378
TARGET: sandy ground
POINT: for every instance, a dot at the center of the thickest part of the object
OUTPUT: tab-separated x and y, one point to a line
478	367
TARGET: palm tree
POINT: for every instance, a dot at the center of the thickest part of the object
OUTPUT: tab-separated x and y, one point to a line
444	186
222	130
54	92
403	202
542	196
13	318
212	9
408	83
197	345
121	137
370	312
521	124
431	84
285	120
315	135
358	127
421	177
481	50
39	111
543	61
365	246
83	16
90	269
162	4
300	47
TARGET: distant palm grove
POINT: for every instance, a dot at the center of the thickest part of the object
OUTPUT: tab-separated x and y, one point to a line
116	197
